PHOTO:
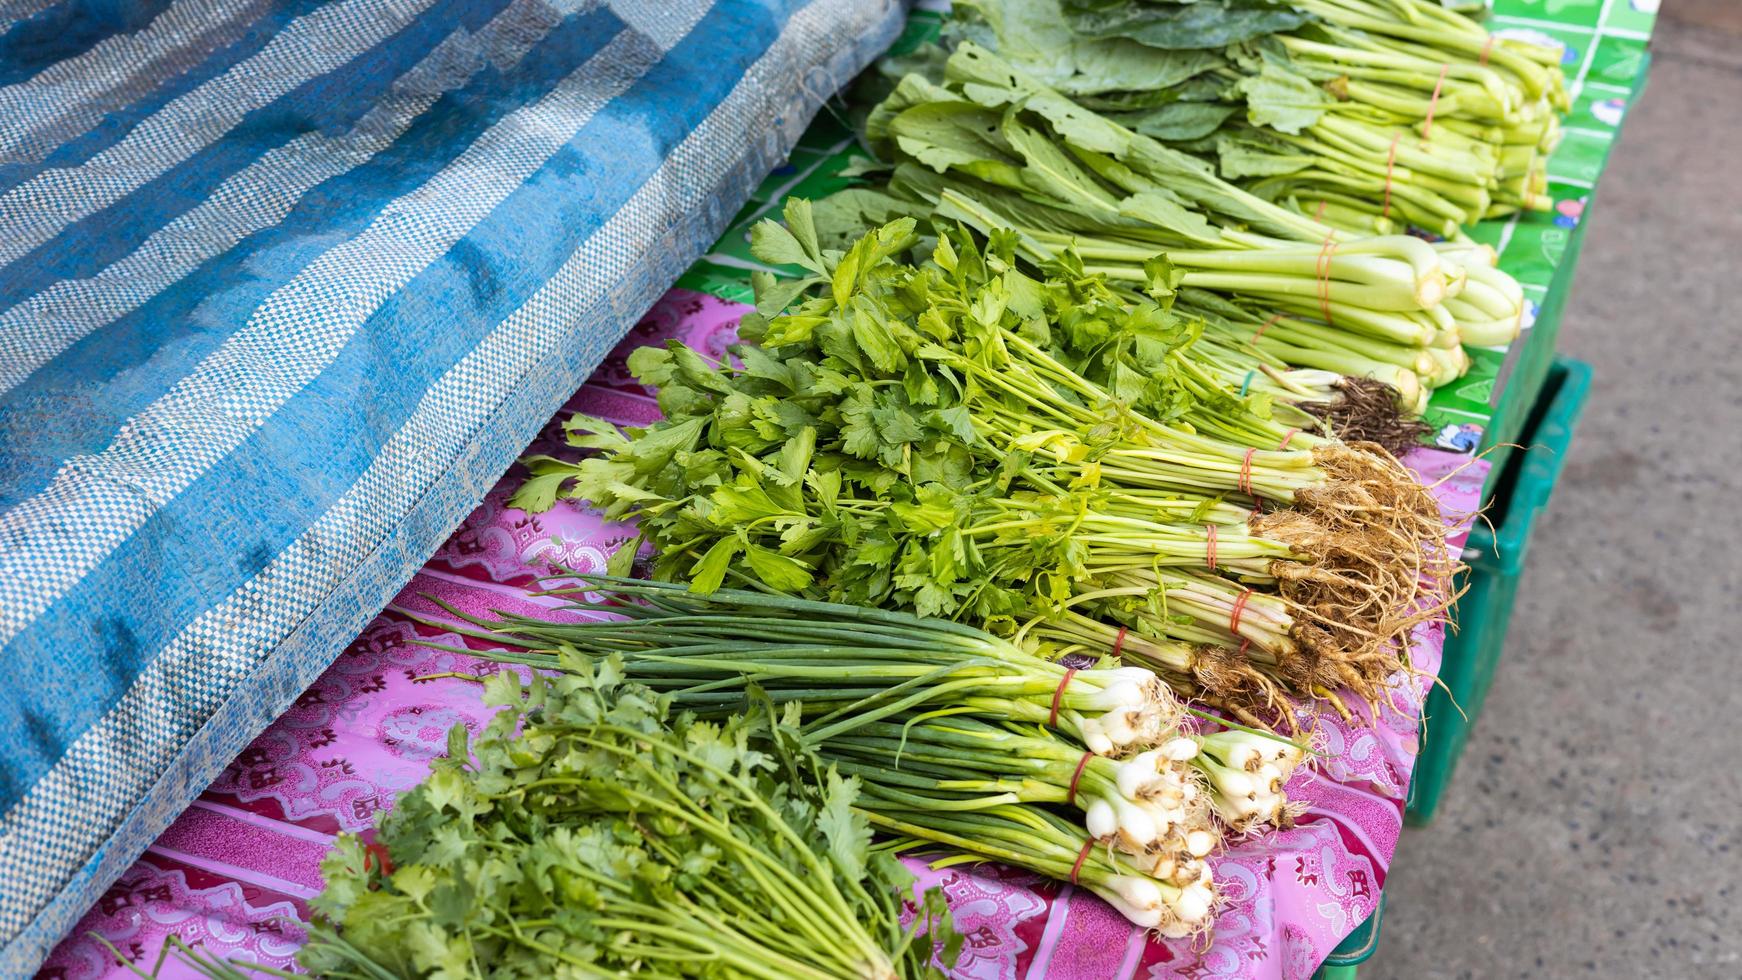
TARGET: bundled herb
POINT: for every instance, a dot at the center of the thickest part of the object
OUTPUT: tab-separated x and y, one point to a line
1369	114
933	754
590	832
990	146
963	440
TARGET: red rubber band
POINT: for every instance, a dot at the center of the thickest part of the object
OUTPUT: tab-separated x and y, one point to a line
1239	607
1487	46
1324	269
1319	215
1427	125
1245	483
1082	855
379	850
1210	546
1052	718
1071	794
1390	168
1119	641
1286	436
1264	326
1245	645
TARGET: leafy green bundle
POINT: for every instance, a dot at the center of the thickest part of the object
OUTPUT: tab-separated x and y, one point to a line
904	705
963	440
1369	114
994	148
938	761
588	832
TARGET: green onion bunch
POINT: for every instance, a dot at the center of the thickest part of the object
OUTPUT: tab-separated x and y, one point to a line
847	665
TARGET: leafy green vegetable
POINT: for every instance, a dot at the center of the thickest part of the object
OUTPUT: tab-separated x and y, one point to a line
1173	24
962	439
591	832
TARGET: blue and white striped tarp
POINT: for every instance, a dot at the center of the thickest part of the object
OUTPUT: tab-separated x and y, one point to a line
284	286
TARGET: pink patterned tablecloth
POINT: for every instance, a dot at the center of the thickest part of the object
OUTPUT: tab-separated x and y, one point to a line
236	870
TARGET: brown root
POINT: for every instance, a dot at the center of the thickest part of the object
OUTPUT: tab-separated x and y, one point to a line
1374	567
1367	410
1226	675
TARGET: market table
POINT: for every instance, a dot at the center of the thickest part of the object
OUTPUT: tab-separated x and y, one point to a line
236	870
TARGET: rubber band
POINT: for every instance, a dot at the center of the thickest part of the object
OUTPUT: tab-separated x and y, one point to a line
1245	645
1246	383
1390	168
1487	46
379	850
1119	641
1264	326
1071	794
1052	718
1082	855
1319	215
1286	436
1427	126
1210	546
1324	270
1245	483
1239	607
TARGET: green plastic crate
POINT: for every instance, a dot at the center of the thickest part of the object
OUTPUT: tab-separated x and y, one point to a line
1354	949
1496	560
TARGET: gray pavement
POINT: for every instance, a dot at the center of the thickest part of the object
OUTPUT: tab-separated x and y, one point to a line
1594	828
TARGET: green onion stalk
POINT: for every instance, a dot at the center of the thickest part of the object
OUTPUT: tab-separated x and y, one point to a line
1033	838
848	665
1155	807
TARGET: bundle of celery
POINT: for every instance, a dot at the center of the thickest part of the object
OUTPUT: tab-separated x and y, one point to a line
590	833
901	705
1369	114
960	439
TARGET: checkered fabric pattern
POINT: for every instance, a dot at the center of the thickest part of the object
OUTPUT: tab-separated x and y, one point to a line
284	286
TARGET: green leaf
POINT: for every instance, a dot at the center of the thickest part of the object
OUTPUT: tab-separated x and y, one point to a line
795	244
539	492
777	571
710	570
795	455
1254	158
1281	99
871	332
846	830
1163	210
1178	121
933	509
1200	24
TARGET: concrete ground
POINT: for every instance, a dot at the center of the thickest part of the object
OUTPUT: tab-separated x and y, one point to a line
1594	828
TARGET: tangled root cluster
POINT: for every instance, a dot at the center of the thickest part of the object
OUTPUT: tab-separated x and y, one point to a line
1367	411
1374	567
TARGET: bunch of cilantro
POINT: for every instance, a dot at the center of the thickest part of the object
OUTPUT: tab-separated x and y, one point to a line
589	833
